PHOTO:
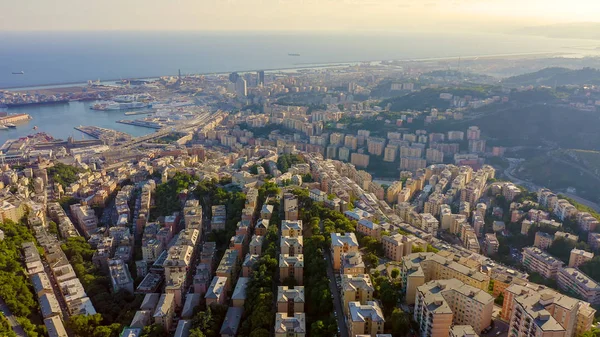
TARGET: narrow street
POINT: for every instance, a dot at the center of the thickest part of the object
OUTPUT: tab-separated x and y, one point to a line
337	301
11	319
56	290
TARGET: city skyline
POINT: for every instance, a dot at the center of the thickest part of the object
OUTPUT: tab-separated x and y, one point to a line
283	15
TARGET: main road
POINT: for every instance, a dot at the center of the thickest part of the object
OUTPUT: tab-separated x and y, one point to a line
337	301
12	320
188	125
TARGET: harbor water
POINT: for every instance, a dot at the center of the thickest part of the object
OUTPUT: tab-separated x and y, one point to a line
58	121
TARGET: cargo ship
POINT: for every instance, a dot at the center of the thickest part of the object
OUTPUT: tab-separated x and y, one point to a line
293	54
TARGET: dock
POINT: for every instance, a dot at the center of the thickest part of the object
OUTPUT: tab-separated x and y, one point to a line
132	113
145	124
108	136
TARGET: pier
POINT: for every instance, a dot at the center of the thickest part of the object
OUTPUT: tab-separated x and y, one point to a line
108	136
145	124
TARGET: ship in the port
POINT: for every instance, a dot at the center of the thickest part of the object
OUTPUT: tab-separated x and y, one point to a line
111	105
18	72
125	102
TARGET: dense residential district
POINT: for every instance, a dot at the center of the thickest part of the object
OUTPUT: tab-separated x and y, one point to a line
257	217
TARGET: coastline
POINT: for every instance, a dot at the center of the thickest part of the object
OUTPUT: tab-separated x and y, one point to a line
300	66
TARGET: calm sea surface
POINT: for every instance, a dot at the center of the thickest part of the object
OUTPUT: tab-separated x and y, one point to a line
55	58
59	58
59	120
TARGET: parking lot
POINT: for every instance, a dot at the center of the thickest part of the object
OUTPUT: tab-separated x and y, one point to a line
500	329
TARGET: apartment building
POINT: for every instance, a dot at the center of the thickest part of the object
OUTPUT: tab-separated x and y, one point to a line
429	223
85	218
412	163
594	241
290	300
291	266
543	240
290	326
567	236
238	297
463	331
231	323
352	264
369	228
586	221
534	310
291	228
290	207
365	319
359	159
228	267
491	244
397	246
55	327
357	288
216	292
342	244
420	268
219	215
192	214
575	281
248	264
579	257
178	260
392	192
536	260
165	311
256	244
119	276
291	245
442	303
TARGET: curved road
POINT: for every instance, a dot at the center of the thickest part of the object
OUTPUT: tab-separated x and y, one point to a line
510	171
11	319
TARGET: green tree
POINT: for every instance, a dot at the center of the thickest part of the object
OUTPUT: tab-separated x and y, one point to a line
395	273
84	325
52	227
5	329
389	295
197	333
417	249
262	332
400	323
154	330
64	174
561	249
500	299
371	259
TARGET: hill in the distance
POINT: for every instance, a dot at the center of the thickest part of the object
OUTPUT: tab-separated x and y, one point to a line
555	77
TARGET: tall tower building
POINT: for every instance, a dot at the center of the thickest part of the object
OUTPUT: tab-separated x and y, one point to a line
233	77
241	87
260	75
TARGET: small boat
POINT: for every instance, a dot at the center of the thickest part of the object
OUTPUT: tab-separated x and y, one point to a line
2	127
18	72
10	125
35	127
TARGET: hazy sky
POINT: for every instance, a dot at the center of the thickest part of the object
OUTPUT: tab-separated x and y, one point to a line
288	15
